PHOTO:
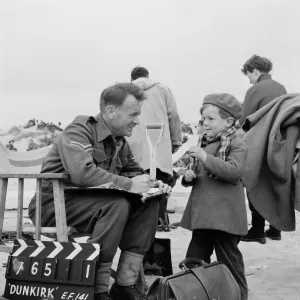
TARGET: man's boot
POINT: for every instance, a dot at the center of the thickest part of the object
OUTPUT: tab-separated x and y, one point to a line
257	231
102	281
125	286
273	233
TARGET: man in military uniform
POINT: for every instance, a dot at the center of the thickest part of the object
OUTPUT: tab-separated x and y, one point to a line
93	151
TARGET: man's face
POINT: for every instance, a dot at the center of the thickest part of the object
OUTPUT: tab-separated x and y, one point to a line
126	117
212	121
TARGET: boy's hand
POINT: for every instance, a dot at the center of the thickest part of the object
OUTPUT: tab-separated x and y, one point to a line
198	153
189	175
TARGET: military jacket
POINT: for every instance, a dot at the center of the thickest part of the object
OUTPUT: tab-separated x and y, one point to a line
87	151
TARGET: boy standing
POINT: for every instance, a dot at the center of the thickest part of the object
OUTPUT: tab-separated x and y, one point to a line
216	210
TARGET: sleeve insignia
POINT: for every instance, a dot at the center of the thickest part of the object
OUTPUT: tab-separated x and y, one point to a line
87	148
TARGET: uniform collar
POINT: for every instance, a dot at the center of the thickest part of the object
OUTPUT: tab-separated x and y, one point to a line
102	131
264	77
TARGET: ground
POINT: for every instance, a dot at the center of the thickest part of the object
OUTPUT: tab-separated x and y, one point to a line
273	269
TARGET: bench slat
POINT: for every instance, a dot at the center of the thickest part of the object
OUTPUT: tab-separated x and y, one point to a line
39	175
20	207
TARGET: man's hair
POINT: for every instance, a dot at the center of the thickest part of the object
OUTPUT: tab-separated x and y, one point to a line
259	63
116	94
138	72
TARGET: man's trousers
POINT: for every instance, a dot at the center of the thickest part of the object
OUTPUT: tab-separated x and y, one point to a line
110	216
258	221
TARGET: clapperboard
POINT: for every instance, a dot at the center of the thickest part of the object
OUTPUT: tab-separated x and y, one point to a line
51	270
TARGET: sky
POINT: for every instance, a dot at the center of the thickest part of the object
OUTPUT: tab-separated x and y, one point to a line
57	56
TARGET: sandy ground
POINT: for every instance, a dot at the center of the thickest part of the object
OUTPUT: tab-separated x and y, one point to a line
273	269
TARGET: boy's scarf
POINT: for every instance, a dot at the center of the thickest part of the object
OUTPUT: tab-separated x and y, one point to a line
223	151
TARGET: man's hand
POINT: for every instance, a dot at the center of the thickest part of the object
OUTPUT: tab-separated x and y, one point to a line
166	189
198	152
141	183
189	175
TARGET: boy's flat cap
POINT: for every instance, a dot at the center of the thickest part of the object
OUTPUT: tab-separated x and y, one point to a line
226	102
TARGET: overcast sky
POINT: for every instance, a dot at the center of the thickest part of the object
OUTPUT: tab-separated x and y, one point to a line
57	56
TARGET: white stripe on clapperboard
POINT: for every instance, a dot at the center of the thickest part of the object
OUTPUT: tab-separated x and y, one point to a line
21	249
77	250
38	250
96	253
59	248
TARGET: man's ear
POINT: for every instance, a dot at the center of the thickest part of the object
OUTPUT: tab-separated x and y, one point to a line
256	72
110	111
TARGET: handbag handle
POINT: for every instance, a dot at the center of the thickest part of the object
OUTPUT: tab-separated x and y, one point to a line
191	262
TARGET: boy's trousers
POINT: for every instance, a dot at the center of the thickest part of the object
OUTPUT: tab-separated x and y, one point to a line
204	242
112	219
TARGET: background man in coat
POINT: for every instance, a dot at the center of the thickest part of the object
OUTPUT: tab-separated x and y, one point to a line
263	91
160	107
93	151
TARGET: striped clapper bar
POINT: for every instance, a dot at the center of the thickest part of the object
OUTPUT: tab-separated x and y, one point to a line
51	270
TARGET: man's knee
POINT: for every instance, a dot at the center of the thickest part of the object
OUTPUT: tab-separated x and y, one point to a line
119	208
151	207
121	205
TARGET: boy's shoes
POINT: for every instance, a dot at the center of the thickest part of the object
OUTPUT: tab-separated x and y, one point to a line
102	296
253	236
273	234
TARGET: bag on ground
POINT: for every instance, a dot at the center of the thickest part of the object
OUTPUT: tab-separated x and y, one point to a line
198	281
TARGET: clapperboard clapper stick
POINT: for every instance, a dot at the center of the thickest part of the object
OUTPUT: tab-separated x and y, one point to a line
51	270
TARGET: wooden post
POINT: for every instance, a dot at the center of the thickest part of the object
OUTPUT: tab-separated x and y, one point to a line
38	209
60	211
3	191
20	208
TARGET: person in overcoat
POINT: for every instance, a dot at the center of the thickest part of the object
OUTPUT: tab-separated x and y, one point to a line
263	91
161	108
216	209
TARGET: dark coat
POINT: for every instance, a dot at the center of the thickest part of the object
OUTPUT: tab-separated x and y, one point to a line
271	140
261	93
219	204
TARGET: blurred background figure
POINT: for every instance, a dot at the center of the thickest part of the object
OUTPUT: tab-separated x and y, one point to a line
159	107
11	146
32	145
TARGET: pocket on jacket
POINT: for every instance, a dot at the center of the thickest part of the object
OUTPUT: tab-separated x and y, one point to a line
99	155
100	158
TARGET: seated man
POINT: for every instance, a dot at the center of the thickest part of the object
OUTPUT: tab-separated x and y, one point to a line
93	151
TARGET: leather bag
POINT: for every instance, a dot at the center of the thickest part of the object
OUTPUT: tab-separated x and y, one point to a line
198	281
